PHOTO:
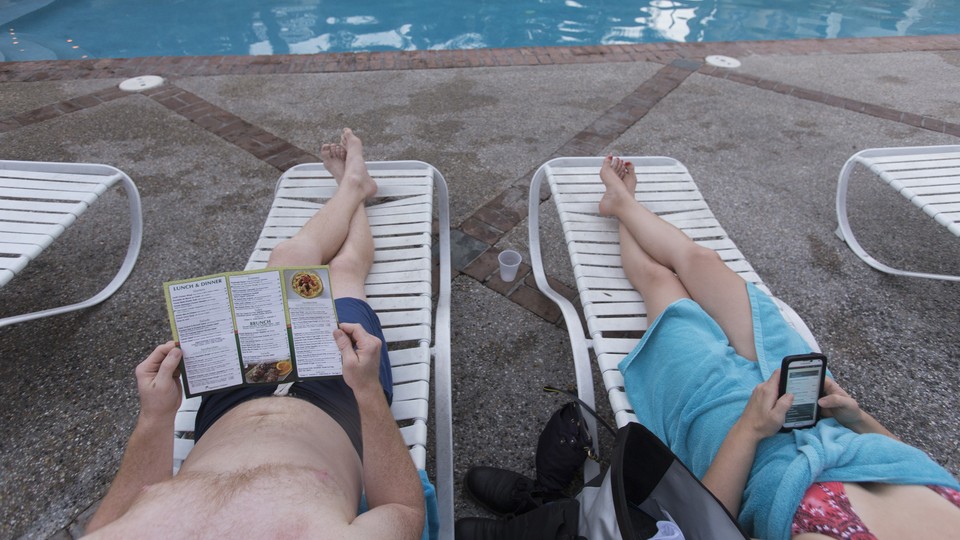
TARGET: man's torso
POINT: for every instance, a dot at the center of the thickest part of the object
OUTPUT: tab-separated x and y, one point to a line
275	466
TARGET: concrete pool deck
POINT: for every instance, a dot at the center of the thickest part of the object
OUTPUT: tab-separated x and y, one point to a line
764	142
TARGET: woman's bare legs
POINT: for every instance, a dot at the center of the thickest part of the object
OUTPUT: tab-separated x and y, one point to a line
656	283
701	272
339	233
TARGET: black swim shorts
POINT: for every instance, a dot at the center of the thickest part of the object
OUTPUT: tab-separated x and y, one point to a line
333	396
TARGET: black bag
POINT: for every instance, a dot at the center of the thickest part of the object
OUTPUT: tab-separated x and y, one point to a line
647	483
564	444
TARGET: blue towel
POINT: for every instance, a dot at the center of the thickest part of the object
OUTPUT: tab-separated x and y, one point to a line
689	386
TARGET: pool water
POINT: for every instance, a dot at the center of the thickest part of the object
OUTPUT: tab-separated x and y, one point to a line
69	29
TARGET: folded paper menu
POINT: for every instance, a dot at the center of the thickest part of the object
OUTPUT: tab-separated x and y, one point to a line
256	327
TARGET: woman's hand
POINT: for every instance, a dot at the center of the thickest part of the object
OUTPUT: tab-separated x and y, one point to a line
844	409
763	416
158	381
838	404
766	410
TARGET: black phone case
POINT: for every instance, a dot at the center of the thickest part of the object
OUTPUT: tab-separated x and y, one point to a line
787	360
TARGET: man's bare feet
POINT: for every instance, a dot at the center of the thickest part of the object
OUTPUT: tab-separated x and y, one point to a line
612	173
334	157
355	168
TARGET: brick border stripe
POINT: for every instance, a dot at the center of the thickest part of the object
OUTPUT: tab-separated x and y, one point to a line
502	213
264	145
59	109
879	111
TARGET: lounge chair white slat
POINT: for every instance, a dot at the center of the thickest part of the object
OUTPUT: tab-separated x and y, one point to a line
407	333
411	409
411	373
412	390
29	250
413	355
882	156
399	277
11	266
413	434
43	206
15	216
602	309
40	240
389	303
406	317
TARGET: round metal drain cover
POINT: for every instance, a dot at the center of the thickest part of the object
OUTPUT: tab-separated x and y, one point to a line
139	84
723	61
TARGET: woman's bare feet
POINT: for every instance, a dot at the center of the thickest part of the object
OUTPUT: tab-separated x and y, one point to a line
355	168
334	157
630	178
612	174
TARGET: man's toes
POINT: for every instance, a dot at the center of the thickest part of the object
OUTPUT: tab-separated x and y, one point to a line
349	138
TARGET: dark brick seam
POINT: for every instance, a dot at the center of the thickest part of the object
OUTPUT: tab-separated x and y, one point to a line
886	113
231	128
505	211
262	144
48	112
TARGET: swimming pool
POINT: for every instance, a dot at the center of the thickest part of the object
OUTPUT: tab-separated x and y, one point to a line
69	29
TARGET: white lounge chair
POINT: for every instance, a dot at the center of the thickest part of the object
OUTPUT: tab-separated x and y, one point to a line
928	176
39	200
399	290
611	306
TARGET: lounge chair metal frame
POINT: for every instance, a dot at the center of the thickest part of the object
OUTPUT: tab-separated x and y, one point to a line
39	201
399	290
611	306
927	176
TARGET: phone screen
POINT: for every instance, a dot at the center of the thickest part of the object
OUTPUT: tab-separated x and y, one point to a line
803	381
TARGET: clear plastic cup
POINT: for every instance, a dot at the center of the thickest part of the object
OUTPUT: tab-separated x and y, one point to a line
509	262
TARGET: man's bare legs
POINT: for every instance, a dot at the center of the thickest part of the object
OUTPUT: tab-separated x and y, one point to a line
350	266
339	233
699	272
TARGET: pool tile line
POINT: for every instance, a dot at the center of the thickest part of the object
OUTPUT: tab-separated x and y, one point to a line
879	111
664	53
173	66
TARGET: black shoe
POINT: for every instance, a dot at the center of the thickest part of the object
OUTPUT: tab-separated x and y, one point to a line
554	521
501	491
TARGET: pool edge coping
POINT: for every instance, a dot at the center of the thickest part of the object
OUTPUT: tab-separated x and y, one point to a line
349	62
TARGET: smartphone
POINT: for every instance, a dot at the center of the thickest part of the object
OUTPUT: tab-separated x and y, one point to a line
802	375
